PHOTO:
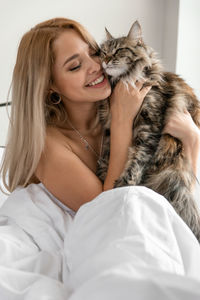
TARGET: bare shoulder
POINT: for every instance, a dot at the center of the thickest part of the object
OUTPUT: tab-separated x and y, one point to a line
64	174
55	137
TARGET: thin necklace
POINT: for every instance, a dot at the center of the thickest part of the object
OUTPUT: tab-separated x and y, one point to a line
86	143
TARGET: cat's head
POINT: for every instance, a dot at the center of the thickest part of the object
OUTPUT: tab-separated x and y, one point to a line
129	58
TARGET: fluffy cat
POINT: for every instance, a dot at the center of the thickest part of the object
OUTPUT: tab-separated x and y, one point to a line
155	160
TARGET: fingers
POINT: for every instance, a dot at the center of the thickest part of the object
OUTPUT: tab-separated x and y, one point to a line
138	90
139	84
140	87
180	124
144	91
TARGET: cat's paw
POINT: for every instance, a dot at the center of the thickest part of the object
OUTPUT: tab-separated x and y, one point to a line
102	168
120	182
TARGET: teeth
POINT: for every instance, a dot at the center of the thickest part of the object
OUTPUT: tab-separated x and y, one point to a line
98	80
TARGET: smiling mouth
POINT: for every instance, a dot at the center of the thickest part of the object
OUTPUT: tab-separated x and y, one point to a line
97	81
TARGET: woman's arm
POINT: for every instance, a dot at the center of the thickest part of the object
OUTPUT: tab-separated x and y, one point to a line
67	177
182	126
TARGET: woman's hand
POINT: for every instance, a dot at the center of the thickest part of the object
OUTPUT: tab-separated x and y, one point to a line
126	102
182	126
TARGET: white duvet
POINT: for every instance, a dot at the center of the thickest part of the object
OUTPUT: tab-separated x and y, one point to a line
128	243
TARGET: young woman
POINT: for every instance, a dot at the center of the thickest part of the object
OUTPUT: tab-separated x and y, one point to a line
54	142
54	136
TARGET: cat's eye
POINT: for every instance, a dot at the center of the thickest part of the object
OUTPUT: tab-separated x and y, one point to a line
103	52
119	50
124	50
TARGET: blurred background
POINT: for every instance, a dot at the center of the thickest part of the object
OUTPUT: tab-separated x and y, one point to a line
171	27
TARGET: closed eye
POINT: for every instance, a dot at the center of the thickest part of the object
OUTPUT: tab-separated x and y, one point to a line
75	68
127	49
96	53
102	52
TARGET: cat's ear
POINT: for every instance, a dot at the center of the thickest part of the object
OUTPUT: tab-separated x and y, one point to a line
135	33
108	35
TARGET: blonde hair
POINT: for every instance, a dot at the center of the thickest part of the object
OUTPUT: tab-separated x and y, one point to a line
31	110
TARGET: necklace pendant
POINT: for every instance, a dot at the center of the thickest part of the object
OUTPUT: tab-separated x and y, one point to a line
86	144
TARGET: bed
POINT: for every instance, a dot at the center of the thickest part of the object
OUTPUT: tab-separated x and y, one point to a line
128	243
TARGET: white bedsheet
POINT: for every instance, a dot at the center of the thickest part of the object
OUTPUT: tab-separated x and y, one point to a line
128	243
32	232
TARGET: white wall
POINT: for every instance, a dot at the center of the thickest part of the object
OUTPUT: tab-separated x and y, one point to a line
188	50
170	34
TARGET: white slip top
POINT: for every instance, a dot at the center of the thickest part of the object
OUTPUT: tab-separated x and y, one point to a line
58	202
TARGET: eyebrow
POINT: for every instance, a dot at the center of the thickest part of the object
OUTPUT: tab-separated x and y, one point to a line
70	58
75	56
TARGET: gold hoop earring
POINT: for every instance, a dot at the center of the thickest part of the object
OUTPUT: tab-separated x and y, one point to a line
54	97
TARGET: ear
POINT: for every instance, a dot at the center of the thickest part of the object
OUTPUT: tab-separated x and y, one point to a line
53	88
135	33
108	35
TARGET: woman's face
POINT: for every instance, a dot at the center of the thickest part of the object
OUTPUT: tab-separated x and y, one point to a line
77	72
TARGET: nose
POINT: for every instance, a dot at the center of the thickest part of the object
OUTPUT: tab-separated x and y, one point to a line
94	65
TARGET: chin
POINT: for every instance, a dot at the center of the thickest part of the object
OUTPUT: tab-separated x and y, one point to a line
106	94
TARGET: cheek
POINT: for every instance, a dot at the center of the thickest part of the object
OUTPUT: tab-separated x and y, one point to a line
72	87
68	83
